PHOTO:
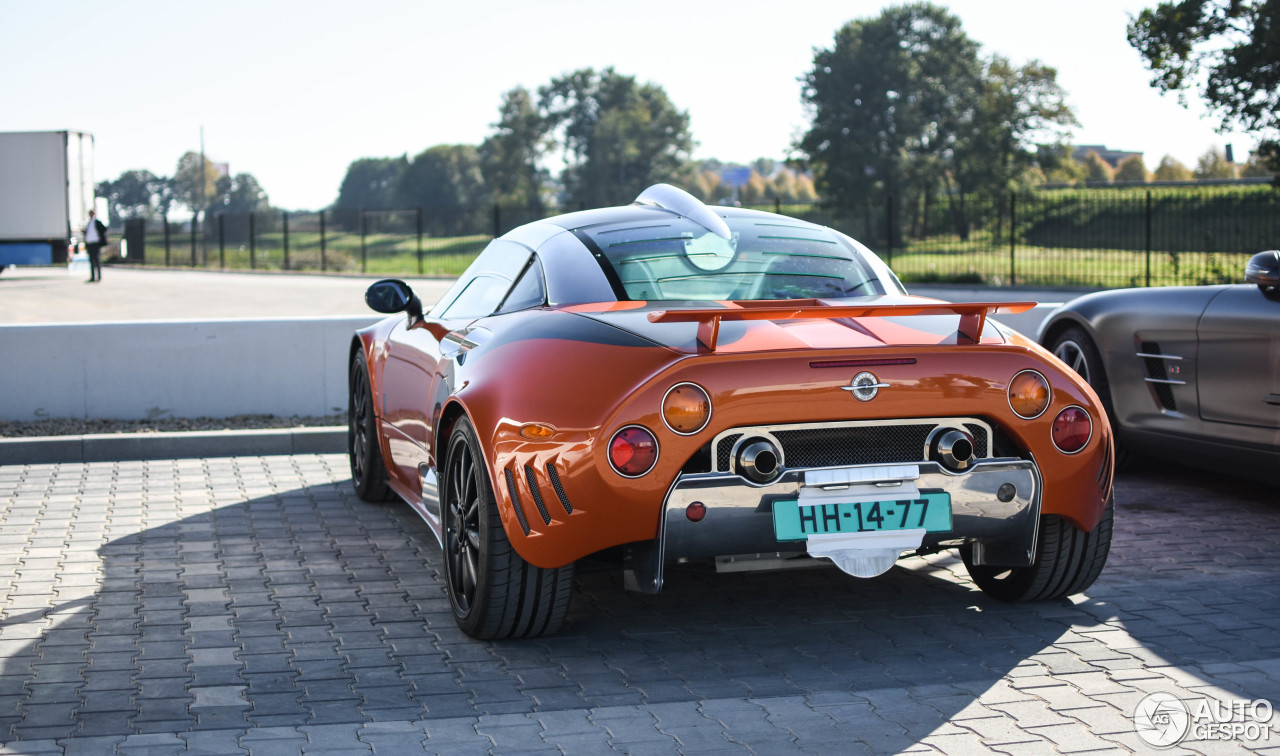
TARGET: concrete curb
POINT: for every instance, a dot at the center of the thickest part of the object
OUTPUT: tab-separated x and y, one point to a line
122	447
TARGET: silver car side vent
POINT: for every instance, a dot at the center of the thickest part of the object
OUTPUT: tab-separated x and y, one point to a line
1157	373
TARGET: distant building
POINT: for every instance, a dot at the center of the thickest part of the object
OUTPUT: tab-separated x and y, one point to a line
1113	157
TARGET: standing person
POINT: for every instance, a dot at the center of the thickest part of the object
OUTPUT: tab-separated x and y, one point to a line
95	237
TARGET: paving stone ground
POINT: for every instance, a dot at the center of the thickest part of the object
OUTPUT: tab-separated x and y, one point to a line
254	605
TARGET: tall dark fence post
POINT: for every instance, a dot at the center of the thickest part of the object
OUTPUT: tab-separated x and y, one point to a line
497	221
888	228
777	204
364	259
418	221
322	245
165	219
222	241
1013	250
1147	215
284	219
253	257
195	221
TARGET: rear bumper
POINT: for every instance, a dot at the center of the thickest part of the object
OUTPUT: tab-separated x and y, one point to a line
995	507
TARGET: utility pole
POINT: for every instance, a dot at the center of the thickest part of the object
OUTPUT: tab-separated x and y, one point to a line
204	201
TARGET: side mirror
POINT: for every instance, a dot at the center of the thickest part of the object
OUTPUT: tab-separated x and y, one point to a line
392	295
1264	270
389	296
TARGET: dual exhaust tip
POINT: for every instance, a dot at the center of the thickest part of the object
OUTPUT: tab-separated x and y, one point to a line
760	461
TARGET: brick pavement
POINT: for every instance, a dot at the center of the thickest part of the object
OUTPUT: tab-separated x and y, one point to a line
253	605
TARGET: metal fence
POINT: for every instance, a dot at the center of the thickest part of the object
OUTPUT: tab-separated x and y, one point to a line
1072	237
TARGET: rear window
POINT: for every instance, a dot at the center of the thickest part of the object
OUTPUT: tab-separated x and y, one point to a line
762	259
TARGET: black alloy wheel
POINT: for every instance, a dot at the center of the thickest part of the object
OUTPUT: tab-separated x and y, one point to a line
1068	560
462	527
493	591
368	473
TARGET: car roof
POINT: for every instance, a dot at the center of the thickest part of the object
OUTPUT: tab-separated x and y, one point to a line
635	212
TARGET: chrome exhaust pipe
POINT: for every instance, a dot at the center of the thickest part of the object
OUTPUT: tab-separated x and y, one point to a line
759	460
953	449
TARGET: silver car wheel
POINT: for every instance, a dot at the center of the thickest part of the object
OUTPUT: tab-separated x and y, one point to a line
1071	353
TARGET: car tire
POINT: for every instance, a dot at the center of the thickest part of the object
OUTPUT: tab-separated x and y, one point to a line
368	471
1068	560
1077	349
494	592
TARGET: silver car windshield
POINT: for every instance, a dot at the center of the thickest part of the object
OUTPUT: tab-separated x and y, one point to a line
764	258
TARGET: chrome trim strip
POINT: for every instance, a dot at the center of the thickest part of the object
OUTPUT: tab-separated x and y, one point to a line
1159	356
739	518
768	430
1168	381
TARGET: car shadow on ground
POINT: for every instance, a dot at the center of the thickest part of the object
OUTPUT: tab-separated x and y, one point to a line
308	607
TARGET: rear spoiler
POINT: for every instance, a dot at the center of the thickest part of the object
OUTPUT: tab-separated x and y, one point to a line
973	315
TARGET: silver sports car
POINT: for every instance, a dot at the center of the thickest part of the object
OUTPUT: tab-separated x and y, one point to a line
1189	373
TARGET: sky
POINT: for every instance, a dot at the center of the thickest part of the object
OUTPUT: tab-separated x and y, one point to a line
292	92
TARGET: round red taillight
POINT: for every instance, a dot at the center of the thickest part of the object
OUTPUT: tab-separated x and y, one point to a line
1071	430
686	408
1029	394
633	451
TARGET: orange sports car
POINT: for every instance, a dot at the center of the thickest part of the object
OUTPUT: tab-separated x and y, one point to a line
675	382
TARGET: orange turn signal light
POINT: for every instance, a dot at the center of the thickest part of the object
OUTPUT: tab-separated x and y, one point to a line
686	408
1029	394
537	431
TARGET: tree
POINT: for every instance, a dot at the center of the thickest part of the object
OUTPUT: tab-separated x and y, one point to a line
1131	169
805	191
192	185
1058	165
239	194
1213	165
1256	167
890	90
1097	170
755	191
1013	104
1171	169
371	183
444	176
509	157
137	194
708	186
783	185
618	136
1229	50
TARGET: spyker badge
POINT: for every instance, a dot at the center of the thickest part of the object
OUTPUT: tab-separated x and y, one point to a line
865	386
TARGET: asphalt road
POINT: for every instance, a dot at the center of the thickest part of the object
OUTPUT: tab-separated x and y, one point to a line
254	605
53	295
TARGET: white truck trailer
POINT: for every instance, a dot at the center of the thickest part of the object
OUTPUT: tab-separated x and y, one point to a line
46	192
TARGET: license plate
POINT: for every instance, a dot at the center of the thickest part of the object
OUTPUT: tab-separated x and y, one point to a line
792	522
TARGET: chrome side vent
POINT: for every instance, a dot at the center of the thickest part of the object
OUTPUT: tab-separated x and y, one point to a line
532	477
515	499
559	487
1157	374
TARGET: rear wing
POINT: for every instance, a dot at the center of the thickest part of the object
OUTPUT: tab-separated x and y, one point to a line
973	315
